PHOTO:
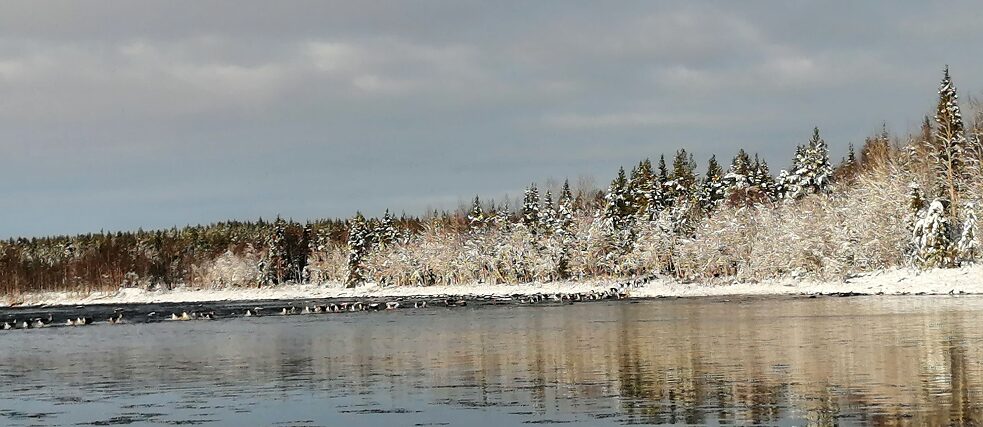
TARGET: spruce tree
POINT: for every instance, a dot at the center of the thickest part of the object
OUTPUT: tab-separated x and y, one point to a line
530	207
950	144
278	259
712	187
762	179
683	179
661	185
564	212
968	245
308	239
359	244
547	215
386	232
737	177
811	171
642	185
476	217
932	238
564	229
617	208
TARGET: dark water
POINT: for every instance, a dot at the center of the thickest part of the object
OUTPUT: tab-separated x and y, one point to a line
825	361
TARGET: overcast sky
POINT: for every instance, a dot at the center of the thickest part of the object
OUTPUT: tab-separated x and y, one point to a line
124	114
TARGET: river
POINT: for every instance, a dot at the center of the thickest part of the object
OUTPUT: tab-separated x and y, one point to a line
773	361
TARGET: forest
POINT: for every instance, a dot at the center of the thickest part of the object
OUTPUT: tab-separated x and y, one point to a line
898	201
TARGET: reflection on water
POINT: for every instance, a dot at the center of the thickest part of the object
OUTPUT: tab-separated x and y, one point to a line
879	361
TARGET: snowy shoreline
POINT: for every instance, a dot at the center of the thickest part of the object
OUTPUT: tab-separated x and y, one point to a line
901	281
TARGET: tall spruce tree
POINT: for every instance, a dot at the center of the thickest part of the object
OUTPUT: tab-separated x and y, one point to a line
950	144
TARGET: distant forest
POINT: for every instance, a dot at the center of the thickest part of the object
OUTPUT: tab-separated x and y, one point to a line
898	201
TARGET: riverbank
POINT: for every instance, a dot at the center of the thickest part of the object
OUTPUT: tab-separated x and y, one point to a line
902	281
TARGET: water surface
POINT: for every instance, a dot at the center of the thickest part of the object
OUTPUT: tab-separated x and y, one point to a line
784	361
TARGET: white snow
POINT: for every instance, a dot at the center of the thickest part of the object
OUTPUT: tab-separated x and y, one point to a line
899	281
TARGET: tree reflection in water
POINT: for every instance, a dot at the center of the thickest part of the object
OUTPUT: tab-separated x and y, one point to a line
877	361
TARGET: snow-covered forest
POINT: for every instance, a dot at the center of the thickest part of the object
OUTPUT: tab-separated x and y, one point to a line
907	200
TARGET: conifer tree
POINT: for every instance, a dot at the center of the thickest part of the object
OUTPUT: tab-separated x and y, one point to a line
547	215
950	144
662	186
712	187
564	229
683	179
530	207
617	208
932	238
359	244
761	179
737	177
308	239
476	217
642	185
811	171
564	212
968	245
386	232
277	256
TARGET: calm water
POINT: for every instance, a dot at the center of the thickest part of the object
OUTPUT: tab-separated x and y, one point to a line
847	361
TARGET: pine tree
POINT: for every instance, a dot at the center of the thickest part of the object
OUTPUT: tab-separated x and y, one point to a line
950	144
530	207
359	244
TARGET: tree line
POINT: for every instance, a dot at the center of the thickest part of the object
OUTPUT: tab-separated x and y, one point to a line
899	201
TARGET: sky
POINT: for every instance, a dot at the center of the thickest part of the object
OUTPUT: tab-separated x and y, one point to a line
116	115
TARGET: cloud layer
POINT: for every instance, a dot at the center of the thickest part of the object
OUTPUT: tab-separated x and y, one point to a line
119	115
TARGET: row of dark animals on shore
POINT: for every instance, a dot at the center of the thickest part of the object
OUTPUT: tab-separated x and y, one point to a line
117	317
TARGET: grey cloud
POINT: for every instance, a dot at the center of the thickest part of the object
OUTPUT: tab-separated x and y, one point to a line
119	114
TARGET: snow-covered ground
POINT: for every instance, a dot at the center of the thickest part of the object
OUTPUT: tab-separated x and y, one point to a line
891	282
